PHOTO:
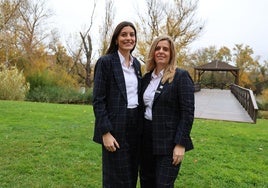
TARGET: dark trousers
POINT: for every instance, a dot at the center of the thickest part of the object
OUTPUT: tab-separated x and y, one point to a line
156	171
120	168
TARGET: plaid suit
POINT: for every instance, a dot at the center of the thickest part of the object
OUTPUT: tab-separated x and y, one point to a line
172	119
110	108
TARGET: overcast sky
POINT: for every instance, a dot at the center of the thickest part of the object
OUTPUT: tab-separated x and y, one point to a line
227	22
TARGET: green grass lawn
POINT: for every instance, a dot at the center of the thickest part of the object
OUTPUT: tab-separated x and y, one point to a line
50	145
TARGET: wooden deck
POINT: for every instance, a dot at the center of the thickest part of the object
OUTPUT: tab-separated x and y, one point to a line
219	104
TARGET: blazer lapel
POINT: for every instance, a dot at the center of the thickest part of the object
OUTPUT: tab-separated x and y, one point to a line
159	90
145	81
119	75
138	73
136	67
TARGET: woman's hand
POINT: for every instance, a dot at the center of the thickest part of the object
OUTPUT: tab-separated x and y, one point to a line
110	142
178	154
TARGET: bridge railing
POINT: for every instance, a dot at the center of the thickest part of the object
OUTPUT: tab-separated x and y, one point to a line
197	87
246	99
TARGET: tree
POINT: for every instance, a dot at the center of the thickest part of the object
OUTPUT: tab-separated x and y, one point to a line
244	61
224	54
87	47
82	54
22	32
8	30
33	18
203	56
8	12
264	70
175	18
107	27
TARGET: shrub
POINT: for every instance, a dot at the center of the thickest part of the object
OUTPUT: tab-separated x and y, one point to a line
56	86
57	94
262	100
265	99
13	85
262	114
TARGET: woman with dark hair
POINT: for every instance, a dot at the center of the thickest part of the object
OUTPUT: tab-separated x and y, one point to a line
117	84
168	97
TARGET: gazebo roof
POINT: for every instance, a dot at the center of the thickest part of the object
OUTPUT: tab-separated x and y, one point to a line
217	65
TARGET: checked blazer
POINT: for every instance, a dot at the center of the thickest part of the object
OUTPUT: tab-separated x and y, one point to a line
172	113
110	98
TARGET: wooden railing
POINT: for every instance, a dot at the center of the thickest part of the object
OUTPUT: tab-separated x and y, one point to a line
246	99
197	87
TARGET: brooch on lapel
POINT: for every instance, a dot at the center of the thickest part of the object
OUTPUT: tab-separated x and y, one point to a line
160	88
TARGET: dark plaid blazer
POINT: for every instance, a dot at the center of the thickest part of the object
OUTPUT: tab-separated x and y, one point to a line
172	112
110	98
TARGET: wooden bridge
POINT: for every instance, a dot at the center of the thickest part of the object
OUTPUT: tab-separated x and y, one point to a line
237	104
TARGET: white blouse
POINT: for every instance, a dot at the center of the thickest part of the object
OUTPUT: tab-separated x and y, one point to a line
131	82
148	96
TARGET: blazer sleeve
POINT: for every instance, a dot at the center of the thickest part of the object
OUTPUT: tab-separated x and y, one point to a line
101	76
186	105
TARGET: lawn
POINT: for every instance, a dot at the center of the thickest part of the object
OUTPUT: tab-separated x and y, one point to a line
50	145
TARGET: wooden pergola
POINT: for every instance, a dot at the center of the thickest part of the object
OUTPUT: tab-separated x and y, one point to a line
216	65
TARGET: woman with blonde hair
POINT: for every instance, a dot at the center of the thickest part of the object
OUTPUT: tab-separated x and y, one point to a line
168	100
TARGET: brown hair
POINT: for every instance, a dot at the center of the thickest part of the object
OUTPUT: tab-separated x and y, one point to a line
113	47
169	71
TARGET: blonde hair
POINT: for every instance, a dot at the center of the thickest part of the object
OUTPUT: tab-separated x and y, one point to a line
169	71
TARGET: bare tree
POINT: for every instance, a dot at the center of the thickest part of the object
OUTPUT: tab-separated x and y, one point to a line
107	27
86	45
148	25
34	16
151	23
180	22
175	18
82	66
